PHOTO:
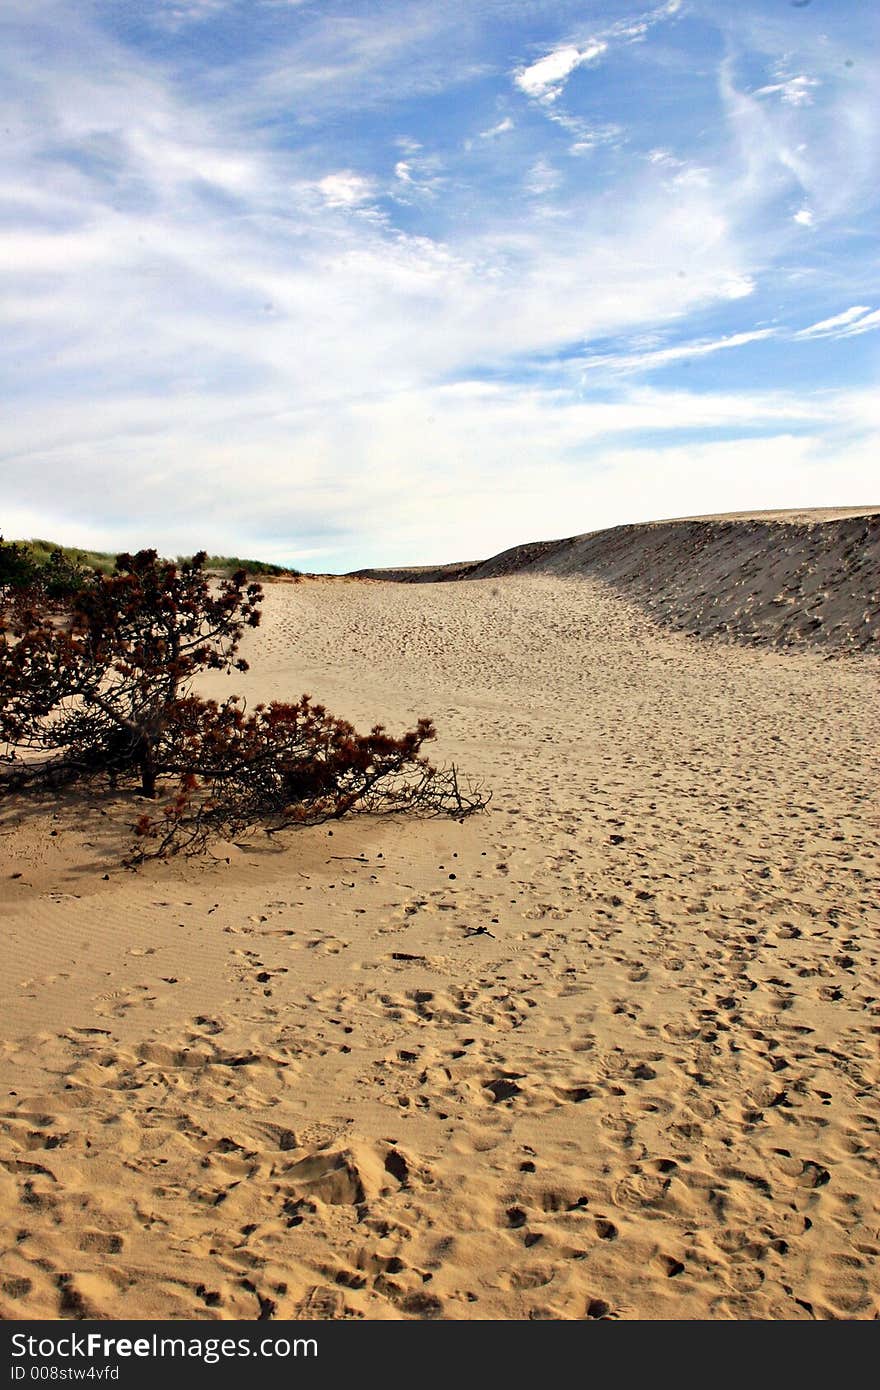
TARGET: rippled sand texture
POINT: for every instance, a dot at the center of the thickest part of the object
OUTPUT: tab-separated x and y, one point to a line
608	1050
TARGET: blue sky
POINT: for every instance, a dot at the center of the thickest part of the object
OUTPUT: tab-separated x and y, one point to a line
359	282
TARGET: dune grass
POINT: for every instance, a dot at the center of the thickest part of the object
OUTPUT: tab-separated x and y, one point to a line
228	564
40	551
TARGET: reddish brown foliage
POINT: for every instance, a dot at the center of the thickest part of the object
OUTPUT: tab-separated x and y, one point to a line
103	688
96	683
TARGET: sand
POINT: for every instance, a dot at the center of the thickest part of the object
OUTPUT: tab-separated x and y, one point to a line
607	1050
789	579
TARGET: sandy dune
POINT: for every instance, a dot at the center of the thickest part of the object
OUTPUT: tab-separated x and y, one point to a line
609	1049
783	579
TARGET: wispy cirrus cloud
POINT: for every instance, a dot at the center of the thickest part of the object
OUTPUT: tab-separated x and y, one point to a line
793	91
494	131
859	319
652	360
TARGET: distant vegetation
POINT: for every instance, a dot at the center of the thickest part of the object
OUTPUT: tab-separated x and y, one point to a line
229	564
63	568
42	552
59	571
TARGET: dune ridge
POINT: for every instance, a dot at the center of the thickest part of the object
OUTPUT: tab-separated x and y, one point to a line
794	578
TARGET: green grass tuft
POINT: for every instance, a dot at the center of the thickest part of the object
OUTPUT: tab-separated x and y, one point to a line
42	551
228	564
39	552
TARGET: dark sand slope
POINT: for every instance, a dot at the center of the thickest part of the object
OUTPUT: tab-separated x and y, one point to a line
784	578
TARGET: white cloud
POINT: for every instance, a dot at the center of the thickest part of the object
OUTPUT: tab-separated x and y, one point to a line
794	91
432	474
546	78
349	61
681	352
865	325
419	177
500	129
691	176
587	135
804	217
840	323
815	138
175	14
664	158
737	287
542	178
345	189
